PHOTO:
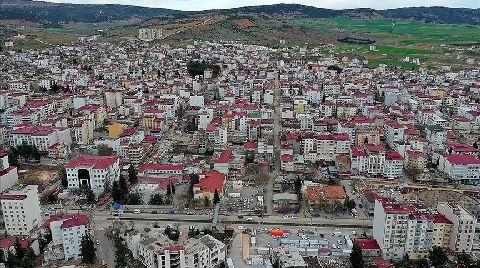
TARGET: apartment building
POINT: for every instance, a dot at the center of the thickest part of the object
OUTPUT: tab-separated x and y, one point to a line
461	168
463	230
8	174
67	231
155	250
93	172
21	210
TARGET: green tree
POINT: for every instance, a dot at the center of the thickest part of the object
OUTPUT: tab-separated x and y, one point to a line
133	199
173	234
206	201
62	176
169	189
156	200
117	194
356	257
105	150
349	204
437	256
216	197
132	175
11	260
13	158
89	195
19	250
123	185
87	249
465	260
27	262
122	254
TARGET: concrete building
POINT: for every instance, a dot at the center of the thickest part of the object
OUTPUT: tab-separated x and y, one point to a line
461	168
67	231
8	174
21	210
464	223
93	172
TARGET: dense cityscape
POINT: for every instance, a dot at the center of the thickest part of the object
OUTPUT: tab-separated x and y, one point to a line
226	154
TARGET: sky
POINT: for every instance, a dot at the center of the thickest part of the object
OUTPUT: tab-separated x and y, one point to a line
333	4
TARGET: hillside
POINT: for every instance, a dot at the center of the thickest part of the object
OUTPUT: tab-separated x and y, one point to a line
53	14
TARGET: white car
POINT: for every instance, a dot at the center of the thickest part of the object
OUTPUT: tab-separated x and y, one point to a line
137	211
240	227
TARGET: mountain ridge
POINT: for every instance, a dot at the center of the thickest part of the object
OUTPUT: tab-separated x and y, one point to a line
48	13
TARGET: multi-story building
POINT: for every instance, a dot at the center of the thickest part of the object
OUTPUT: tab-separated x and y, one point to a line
390	227
21	210
393	165
461	168
415	160
394	132
8	174
93	172
419	240
42	137
67	230
157	251
463	230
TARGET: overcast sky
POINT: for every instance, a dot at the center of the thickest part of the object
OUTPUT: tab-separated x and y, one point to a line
333	4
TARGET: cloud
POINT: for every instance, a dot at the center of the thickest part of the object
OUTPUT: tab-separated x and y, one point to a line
333	4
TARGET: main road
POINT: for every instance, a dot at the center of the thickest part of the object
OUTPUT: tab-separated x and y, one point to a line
277	133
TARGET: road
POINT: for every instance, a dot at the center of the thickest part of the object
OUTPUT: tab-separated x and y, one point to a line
277	133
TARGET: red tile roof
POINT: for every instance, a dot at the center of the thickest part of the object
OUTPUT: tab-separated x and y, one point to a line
77	220
96	162
440	219
13	196
333	192
224	157
367	244
393	155
9	241
458	159
212	181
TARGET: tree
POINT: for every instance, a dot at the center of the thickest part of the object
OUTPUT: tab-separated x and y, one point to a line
19	250
298	188
475	145
121	254
132	175
349	204
62	176
27	262
169	189
216	197
117	194
105	150
123	185
89	195
156	200
465	260
87	249
356	257
173	189
206	201
11	260
173	234
13	158
437	256
194	179
133	199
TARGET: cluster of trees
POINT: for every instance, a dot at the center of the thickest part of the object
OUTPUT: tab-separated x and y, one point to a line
158	199
194	179
123	256
26	151
195	68
22	258
87	249
172	233
54	88
120	189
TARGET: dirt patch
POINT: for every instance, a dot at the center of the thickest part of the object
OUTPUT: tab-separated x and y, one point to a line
44	173
244	23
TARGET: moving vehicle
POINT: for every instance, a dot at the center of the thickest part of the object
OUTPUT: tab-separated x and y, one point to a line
137	211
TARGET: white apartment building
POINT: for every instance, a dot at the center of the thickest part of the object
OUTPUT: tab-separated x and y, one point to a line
42	137
93	172
420	230
462	168
393	165
21	210
8	174
370	159
67	231
464	223
394	132
390	227
157	251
